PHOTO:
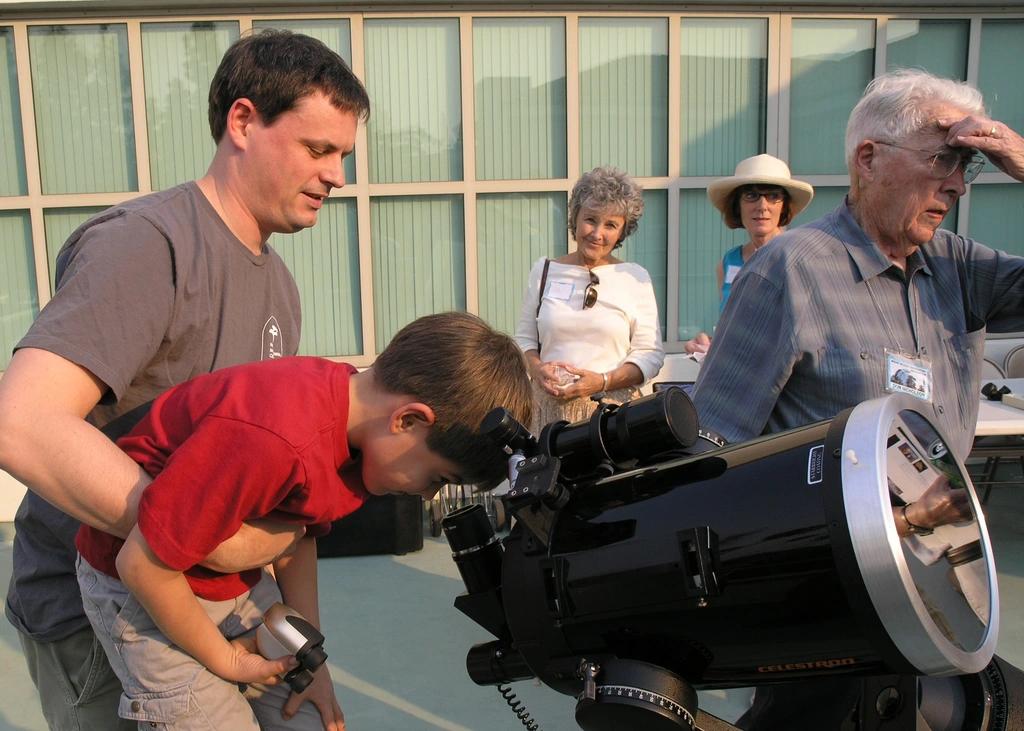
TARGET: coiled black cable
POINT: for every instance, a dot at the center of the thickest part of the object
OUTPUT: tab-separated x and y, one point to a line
517	707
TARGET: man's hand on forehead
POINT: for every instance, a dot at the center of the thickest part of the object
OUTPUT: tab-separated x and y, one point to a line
968	131
999	143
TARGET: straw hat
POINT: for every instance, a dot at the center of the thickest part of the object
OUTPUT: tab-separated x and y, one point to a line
760	170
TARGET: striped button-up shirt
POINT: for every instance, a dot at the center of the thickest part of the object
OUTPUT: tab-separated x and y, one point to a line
802	338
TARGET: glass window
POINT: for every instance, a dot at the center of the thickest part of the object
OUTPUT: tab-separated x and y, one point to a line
83	105
723	93
624	95
12	140
419	260
648	246
513	231
997	216
413	77
703	241
519	83
19	298
833	60
999	79
179	61
336	34
324	260
825	200
939	46
58	224
952	218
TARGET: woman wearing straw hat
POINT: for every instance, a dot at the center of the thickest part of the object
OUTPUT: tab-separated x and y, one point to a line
761	197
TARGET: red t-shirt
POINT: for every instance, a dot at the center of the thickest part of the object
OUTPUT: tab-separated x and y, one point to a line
260	440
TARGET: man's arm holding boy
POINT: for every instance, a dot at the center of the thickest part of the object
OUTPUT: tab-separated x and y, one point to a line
296	576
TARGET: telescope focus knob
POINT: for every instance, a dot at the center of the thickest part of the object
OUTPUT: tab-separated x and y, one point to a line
629	694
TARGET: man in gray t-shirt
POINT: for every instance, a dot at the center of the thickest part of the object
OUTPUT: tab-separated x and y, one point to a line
149	294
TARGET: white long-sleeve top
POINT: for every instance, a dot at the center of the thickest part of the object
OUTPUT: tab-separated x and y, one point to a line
621	327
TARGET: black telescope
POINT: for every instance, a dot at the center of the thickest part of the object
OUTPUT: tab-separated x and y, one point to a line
640	568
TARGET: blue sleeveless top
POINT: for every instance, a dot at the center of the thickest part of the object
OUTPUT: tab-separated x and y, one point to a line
731	264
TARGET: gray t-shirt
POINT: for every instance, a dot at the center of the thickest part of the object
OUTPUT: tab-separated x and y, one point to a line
149	294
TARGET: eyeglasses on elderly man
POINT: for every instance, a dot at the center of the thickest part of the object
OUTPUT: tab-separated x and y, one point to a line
945	162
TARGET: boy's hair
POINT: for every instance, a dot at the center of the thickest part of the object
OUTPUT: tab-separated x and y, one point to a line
462	368
275	69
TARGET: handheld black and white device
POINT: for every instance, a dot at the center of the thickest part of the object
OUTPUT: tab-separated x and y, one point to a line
286	632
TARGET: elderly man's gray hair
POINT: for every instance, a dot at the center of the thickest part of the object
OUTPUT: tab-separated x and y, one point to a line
608	188
897	104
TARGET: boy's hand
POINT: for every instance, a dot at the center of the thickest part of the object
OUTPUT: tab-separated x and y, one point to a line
321	694
247	665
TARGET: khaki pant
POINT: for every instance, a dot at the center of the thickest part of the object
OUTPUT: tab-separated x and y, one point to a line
78	690
165	687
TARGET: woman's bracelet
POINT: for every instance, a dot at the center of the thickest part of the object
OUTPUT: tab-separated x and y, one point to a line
605	381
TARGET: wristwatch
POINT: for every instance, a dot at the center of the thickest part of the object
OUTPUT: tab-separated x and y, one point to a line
916	530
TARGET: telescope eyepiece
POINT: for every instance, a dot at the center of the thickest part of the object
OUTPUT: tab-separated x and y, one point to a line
475	549
502	428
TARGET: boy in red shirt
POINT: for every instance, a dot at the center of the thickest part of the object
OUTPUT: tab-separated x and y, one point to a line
296	440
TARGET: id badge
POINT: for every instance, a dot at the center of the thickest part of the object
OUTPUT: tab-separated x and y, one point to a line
909	375
559	289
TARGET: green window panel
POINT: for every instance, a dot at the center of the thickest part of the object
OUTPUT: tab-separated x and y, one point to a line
997	216
938	46
520	105
419	259
723	93
58	225
648	246
19	298
13	180
624	94
179	61
703	241
324	260
825	200
833	61
83	107
513	231
999	73
336	34
413	76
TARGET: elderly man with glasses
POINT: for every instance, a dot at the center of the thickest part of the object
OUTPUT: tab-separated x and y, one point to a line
828	314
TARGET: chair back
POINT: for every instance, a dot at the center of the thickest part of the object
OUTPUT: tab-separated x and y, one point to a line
1015	363
991	372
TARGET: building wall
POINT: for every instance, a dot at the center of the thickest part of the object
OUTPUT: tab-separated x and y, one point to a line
481	123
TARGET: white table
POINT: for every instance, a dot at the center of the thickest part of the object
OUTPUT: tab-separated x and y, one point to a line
996	419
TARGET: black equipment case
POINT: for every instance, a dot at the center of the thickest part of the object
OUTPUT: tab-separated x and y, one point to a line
384	524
